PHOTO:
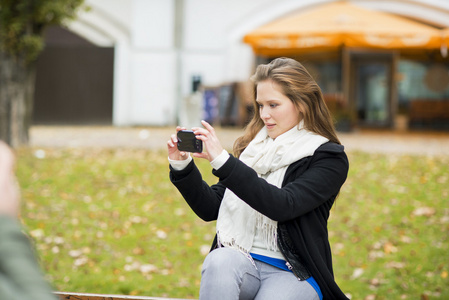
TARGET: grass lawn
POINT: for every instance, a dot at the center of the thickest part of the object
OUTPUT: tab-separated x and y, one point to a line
109	221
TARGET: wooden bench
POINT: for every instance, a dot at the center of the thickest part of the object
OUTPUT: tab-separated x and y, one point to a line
429	109
80	296
429	113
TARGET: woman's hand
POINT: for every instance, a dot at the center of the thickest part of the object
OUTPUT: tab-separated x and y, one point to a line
172	144
210	141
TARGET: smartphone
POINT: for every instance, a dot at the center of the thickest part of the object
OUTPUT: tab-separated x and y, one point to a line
188	142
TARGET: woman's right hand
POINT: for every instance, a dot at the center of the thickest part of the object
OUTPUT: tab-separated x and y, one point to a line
172	144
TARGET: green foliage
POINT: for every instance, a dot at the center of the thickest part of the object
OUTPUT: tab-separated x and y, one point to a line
22	23
109	221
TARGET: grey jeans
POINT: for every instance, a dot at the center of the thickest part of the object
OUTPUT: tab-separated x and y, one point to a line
228	274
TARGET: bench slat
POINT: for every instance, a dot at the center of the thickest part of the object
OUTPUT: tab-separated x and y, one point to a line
82	296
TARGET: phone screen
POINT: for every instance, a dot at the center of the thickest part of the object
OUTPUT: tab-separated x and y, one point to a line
188	142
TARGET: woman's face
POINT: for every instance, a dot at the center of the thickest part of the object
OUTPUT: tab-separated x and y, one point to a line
276	110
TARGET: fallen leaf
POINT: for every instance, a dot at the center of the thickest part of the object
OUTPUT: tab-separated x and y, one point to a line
136	219
75	253
406	239
138	251
145	269
80	261
40	154
395	265
424	211
204	249
161	234
37	233
389	248
357	273
375	282
180	212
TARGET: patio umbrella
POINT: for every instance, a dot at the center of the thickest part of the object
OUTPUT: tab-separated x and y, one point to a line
331	26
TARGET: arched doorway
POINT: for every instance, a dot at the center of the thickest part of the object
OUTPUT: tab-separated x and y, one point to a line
74	81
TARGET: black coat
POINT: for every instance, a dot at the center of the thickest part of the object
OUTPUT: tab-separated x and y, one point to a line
301	206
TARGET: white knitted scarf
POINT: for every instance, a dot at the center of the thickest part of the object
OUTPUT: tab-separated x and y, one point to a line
237	221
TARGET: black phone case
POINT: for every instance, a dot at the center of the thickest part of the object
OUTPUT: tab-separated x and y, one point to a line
188	142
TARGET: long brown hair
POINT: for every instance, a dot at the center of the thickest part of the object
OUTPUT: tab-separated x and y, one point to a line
301	89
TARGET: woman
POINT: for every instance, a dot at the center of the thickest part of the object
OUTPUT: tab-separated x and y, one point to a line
271	203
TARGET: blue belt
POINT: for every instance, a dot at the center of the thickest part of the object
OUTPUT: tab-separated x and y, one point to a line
282	264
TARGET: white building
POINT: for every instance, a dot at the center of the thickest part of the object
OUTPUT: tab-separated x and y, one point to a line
159	45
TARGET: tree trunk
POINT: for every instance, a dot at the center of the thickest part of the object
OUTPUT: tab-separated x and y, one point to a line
16	100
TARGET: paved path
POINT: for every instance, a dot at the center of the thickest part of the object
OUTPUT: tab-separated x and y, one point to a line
428	143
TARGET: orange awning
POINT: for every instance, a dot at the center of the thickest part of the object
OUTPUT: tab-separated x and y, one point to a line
333	25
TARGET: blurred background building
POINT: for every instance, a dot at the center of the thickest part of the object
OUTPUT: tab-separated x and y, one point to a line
381	64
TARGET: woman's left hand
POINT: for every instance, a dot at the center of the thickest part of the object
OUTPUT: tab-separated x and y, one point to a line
210	141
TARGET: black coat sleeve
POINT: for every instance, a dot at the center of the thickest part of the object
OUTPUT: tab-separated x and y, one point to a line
326	172
203	199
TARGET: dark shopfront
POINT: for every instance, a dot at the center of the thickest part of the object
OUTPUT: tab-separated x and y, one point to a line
384	89
376	70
